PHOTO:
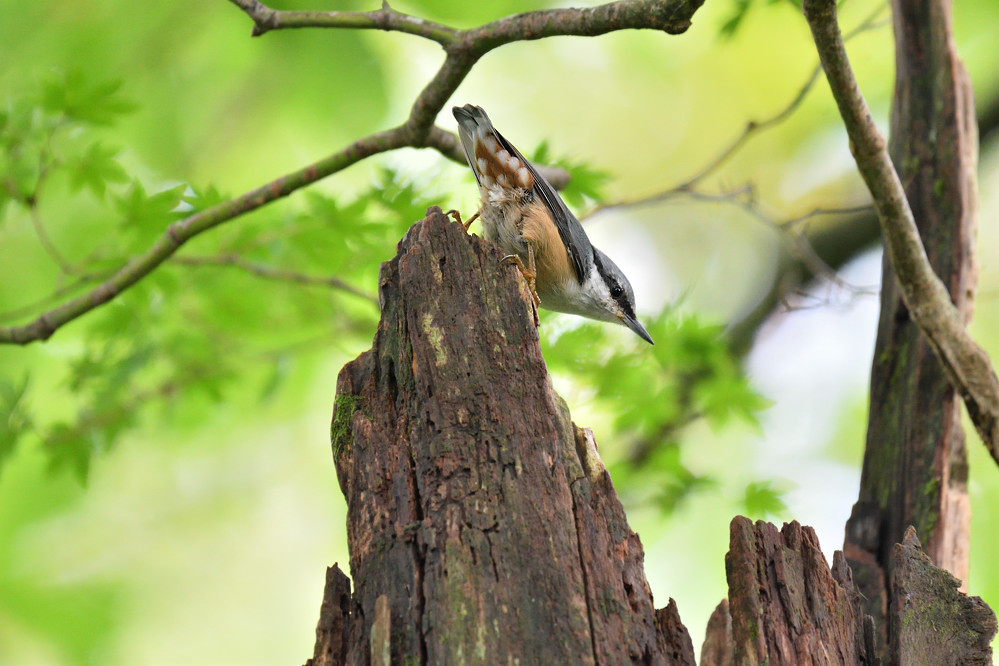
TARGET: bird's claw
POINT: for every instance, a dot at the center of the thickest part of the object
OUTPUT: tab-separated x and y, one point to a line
456	216
530	275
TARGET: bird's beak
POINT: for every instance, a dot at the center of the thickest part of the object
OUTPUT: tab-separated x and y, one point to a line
636	326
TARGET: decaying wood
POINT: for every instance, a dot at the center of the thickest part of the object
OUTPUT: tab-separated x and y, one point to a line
483	527
331	646
718	648
674	637
477	512
932	621
784	605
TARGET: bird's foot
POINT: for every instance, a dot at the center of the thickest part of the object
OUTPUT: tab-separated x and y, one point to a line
456	216
530	275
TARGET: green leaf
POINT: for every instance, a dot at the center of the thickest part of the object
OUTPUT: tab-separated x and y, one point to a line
586	183
202	198
68	450
762	499
23	171
735	19
725	395
72	95
676	482
95	169
541	154
149	213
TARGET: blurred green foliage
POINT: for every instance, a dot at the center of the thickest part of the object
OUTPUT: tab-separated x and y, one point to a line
126	367
654	393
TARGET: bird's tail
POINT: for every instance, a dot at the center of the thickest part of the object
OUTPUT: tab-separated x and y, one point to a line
470	118
493	159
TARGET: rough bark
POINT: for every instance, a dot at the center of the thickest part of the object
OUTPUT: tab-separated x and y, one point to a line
674	636
785	605
915	464
481	522
331	646
483	527
718	648
932	621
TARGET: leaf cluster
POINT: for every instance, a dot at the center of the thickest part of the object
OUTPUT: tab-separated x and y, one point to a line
654	393
48	131
232	318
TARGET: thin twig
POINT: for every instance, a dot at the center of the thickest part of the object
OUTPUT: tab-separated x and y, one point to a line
182	231
46	240
266	19
754	127
928	301
57	295
744	198
271	273
793	222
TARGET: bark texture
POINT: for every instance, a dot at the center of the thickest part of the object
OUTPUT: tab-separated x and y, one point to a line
785	605
482	525
331	645
675	638
484	529
915	464
933	622
718	648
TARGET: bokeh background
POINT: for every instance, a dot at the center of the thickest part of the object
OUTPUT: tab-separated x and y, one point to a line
171	497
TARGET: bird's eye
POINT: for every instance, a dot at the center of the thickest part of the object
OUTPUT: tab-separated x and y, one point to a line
616	291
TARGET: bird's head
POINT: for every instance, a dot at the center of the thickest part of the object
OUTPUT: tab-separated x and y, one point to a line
608	296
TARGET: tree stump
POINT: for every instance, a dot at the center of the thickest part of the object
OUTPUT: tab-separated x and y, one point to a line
932	621
482	525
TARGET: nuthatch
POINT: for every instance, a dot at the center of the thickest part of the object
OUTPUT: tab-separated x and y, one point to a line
524	214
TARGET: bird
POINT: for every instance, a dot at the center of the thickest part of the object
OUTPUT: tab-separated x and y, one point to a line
527	218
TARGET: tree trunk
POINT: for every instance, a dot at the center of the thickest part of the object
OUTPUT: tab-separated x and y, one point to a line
482	525
915	465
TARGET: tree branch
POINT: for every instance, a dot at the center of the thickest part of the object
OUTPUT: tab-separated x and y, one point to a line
924	294
272	273
46	240
266	19
182	231
672	17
